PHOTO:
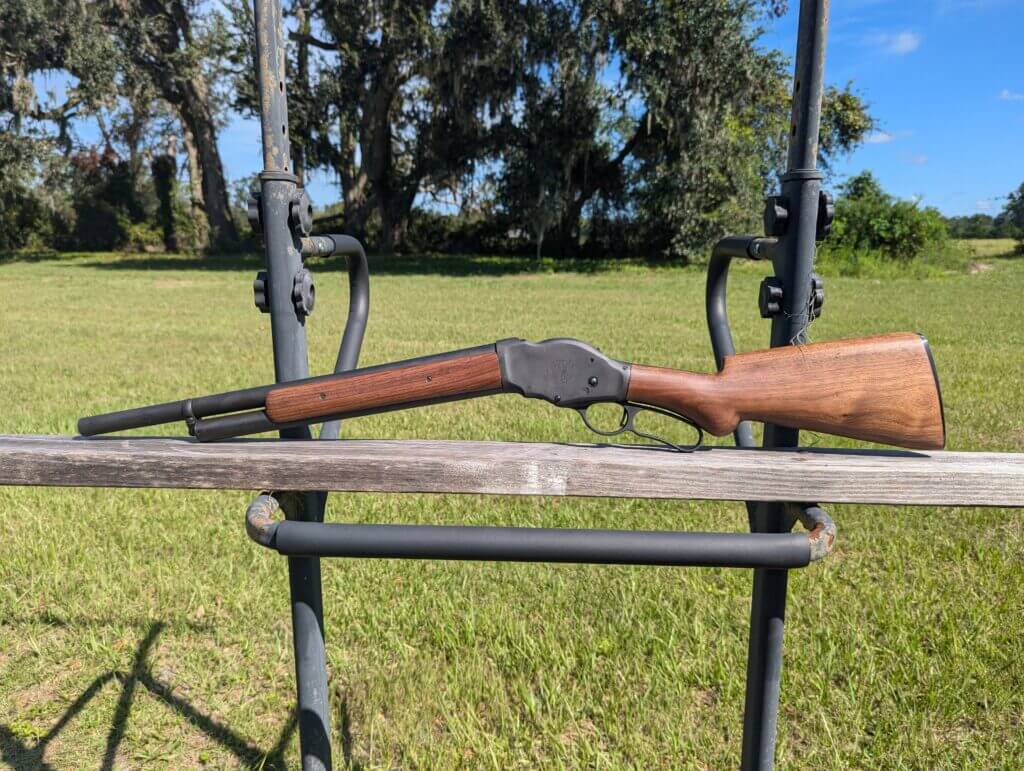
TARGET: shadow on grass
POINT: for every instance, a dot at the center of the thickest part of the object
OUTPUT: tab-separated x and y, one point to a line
36	256
398	265
18	754
49	618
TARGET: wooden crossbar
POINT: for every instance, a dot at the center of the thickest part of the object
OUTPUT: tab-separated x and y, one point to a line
821	475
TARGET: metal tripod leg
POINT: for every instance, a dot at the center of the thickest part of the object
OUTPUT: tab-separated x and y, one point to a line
793	261
285	216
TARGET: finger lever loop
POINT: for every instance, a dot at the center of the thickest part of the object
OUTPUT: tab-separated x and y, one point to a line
627	422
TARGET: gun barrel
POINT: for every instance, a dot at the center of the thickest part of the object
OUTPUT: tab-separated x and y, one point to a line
171	412
230	426
153	415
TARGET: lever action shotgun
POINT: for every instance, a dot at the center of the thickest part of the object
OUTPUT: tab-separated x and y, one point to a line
880	389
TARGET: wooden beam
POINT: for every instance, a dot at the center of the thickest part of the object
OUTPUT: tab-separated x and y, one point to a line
821	475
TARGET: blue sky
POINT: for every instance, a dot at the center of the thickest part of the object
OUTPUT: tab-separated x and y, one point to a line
945	80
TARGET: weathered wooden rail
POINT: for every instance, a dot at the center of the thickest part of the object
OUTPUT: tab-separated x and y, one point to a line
720	473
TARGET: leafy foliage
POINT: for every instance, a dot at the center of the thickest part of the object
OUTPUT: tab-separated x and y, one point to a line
981	226
636	128
1012	216
872	228
565	127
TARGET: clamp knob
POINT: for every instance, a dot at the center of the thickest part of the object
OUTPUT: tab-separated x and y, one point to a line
300	212
776	215
826	213
769	298
261	292
817	295
254	213
303	293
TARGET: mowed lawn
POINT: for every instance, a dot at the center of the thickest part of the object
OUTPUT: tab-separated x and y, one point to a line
143	629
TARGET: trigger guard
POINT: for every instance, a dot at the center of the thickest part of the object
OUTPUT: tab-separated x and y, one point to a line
625	421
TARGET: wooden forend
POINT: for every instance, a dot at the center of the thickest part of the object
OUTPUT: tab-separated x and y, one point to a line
445	380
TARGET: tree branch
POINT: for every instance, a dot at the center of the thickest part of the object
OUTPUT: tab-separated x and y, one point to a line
325	45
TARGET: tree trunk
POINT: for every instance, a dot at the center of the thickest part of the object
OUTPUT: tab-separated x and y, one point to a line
393	226
569	227
195	114
165	180
197	202
395	210
300	87
133	138
393	191
353	187
168	32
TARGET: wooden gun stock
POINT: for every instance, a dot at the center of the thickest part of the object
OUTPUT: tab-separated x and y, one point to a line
880	389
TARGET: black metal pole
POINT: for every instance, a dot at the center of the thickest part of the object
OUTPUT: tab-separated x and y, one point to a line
534	544
725	251
516	544
278	188
793	262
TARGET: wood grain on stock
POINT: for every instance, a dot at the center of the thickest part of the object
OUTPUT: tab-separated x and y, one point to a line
447	379
879	389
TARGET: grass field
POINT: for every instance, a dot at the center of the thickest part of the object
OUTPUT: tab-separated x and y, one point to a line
143	629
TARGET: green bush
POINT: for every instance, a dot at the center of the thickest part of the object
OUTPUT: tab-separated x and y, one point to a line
143	237
459	234
25	221
1013	215
876	233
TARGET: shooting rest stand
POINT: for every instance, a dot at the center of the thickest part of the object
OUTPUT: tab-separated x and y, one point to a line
794	220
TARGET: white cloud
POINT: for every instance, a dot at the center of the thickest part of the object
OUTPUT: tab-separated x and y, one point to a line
917	159
896	42
1011	96
984	206
879	137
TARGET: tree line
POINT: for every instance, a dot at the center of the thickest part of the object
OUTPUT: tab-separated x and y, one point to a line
562	127
1009	223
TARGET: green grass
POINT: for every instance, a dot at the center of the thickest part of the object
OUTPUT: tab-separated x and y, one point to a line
162	634
999	248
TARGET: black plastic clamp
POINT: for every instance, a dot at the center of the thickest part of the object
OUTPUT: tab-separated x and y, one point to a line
769	298
776	215
260	291
300	213
817	295
303	292
826	213
255	212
